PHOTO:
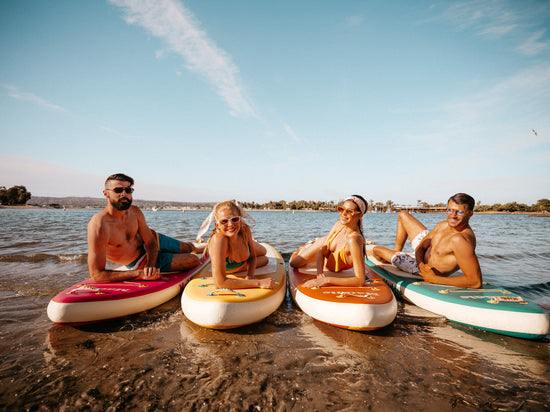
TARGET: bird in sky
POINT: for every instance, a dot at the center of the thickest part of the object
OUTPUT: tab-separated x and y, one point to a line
534	131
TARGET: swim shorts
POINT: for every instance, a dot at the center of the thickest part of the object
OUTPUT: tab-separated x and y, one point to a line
418	239
407	261
167	248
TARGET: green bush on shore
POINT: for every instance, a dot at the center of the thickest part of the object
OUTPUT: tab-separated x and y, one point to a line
16	195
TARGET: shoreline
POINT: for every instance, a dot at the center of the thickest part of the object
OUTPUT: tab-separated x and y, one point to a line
33	207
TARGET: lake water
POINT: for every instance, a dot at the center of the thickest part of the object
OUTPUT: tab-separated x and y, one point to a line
160	360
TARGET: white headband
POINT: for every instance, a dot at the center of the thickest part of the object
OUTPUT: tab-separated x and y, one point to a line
206	224
359	202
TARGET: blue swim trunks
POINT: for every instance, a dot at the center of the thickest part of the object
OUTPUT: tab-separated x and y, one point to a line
167	248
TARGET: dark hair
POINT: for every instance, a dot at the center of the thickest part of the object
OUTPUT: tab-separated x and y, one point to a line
360	222
122	177
364	201
463	199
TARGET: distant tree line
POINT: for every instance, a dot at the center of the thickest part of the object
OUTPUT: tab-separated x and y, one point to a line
542	205
294	205
15	195
18	195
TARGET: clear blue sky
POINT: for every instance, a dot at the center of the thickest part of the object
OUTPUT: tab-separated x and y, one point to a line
205	100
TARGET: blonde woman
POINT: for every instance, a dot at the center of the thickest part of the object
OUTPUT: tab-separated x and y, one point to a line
232	249
343	248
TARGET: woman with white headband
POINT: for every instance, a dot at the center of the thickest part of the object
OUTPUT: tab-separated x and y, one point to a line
343	248
232	249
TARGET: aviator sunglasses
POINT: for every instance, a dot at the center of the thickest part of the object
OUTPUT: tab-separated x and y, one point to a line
119	190
458	212
348	211
235	219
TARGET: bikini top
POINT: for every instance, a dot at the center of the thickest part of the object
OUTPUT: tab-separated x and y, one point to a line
336	261
231	265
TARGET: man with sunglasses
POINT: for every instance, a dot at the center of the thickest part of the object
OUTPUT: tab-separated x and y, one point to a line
120	235
450	246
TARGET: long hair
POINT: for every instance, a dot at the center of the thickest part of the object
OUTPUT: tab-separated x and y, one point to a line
244	231
357	199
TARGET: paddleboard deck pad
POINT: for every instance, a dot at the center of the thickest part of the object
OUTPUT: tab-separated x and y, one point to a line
91	302
213	308
364	308
491	308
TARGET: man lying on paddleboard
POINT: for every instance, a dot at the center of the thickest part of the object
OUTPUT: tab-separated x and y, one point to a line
450	246
120	235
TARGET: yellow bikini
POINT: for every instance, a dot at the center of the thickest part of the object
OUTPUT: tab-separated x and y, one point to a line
336	261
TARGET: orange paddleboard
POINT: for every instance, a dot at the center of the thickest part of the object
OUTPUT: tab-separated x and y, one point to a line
368	307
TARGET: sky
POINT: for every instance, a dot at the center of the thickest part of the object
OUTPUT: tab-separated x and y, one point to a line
208	100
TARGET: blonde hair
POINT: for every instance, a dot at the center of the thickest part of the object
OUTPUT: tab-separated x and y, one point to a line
244	231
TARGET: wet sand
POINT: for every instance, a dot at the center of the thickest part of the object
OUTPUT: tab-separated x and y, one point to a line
161	361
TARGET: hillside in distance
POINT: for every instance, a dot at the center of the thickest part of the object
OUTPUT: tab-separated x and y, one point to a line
99	203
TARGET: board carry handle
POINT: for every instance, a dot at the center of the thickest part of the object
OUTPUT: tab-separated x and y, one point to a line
237	294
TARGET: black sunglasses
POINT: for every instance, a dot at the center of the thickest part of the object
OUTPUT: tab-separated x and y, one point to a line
119	190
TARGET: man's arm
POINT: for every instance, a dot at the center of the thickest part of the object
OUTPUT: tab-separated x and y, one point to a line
467	262
97	256
151	247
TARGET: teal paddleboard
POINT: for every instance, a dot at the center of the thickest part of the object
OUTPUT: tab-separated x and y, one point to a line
491	308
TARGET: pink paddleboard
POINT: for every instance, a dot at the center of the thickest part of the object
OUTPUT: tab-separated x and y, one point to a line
90	302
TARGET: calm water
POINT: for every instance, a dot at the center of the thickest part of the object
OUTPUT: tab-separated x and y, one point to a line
44	251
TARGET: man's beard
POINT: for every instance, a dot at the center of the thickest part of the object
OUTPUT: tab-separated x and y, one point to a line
120	205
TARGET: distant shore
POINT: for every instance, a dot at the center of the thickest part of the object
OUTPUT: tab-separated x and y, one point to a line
534	214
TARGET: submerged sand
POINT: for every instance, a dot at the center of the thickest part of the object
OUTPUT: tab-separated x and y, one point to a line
161	361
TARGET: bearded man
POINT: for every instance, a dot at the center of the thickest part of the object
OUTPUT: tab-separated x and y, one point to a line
119	234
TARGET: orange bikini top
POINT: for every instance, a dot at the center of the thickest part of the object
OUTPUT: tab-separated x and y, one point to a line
336	261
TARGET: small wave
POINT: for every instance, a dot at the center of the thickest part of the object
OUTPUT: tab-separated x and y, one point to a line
20	245
515	256
44	257
538	293
534	289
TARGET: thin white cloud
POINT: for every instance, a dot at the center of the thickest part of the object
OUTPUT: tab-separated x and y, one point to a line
159	54
355	20
112	131
178	27
291	133
495	19
528	89
486	18
533	45
15	93
496	120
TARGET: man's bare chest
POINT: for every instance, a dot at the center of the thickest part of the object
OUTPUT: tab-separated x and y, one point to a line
120	235
441	245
